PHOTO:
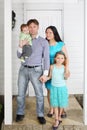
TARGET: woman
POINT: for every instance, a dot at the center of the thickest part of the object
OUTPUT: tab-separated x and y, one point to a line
55	45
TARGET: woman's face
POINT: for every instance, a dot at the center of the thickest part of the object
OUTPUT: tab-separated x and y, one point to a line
49	34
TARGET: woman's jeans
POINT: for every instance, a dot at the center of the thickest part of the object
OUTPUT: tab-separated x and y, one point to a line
26	75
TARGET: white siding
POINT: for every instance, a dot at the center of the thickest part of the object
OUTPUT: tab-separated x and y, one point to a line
18	9
74	39
1	47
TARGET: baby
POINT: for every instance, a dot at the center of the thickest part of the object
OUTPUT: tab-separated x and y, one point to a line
24	35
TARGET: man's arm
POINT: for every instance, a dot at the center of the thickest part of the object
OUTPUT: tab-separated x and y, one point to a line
46	58
21	44
19	50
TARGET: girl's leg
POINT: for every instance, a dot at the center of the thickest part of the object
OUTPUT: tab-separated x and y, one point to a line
60	113
56	124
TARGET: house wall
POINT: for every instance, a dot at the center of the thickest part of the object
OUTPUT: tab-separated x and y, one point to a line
1	47
73	38
18	9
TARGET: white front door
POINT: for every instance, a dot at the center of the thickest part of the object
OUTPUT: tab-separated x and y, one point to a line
46	17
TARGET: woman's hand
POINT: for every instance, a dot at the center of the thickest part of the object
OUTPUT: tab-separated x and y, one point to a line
67	74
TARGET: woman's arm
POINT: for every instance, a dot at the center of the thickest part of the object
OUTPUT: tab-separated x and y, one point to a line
67	72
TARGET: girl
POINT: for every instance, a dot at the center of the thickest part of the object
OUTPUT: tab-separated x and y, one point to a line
58	91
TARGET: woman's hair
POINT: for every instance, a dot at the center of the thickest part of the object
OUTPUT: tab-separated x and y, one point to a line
55	32
60	53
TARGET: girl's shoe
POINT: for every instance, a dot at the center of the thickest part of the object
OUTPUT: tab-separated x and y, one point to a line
60	120
56	125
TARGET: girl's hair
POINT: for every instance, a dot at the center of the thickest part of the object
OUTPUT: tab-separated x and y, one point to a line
60	53
55	32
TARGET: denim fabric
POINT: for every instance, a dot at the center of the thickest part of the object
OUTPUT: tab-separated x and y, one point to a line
26	75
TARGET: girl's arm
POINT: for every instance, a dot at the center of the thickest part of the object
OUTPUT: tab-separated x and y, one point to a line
67	72
50	73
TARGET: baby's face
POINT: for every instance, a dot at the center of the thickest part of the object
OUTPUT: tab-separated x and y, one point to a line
25	30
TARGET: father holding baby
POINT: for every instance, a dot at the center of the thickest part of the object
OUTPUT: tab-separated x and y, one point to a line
31	70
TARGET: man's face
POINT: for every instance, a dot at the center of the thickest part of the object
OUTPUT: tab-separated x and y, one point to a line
33	29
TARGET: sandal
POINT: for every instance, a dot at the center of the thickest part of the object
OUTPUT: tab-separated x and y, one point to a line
49	115
56	126
64	115
60	120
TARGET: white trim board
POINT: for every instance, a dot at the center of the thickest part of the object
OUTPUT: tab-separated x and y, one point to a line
45	1
85	69
7	62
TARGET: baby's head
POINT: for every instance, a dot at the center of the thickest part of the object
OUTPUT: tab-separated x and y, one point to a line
24	28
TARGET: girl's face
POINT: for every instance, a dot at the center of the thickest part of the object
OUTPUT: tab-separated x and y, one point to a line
60	59
49	34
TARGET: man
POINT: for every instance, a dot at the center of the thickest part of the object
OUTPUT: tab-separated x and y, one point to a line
31	70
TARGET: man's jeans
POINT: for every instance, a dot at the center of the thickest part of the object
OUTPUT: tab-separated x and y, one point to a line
26	75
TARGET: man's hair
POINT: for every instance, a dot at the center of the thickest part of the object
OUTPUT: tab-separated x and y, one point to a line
23	26
35	21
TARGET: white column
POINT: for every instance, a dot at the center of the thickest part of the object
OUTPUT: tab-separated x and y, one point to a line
7	62
85	70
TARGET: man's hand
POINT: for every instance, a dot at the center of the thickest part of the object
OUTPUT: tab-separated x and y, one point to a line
43	78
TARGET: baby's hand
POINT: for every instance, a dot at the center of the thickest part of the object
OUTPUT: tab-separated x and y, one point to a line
25	42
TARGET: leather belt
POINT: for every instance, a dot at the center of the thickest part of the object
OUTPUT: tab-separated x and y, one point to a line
30	66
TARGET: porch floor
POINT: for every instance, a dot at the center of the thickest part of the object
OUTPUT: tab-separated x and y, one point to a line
74	112
73	121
